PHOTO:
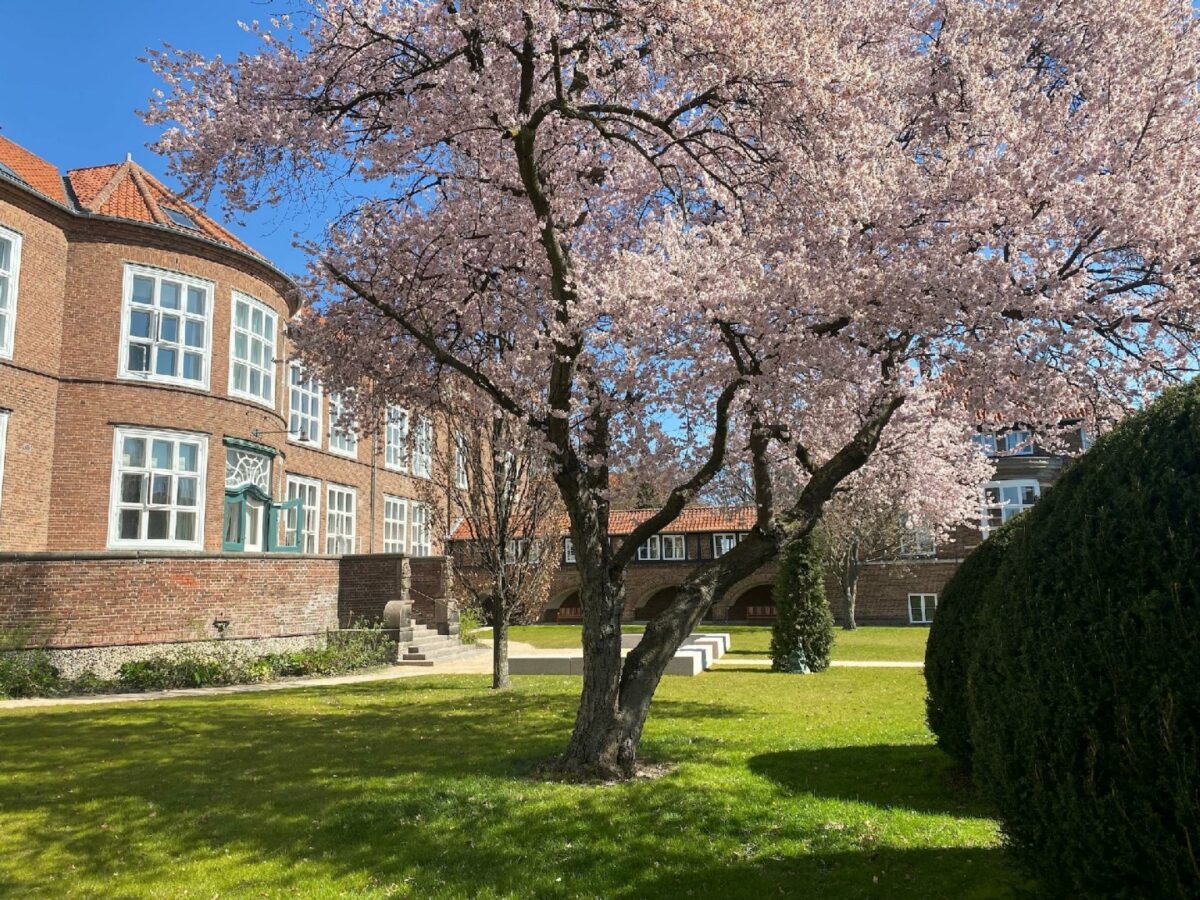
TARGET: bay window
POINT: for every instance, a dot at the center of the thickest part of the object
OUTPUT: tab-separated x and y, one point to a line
252	350
157	491
10	276
165	327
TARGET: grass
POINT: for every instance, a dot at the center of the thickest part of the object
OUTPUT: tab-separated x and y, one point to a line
825	785
867	643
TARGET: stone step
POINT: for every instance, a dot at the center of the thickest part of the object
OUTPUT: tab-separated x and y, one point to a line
441	655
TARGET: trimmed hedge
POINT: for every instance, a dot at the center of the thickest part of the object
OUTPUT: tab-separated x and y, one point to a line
802	636
1084	683
948	651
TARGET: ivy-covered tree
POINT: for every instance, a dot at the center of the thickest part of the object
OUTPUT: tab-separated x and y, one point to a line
802	636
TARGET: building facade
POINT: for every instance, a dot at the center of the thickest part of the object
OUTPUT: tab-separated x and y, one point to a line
897	591
148	400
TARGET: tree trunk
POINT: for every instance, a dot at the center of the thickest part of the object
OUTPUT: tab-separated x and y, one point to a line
500	677
849	599
595	747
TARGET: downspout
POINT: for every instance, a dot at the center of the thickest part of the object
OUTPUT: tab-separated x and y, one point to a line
374	470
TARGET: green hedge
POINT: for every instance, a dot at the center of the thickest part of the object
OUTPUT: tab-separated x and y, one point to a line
802	636
948	651
1084	686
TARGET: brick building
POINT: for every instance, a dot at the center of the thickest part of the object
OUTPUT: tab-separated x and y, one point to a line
154	430
897	591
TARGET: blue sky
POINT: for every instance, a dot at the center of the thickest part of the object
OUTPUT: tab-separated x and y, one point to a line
73	85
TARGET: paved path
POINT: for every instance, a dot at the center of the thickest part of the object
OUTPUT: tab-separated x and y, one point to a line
479	664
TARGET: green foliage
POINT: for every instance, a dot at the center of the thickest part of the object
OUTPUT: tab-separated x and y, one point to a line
802	636
187	669
1084	688
952	640
468	621
345	651
28	673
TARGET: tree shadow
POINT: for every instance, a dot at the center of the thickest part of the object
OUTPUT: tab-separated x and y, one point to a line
918	777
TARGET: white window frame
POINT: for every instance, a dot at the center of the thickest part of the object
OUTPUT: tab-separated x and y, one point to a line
270	369
568	550
420	516
1016	438
395	439
127	308
390	505
422	448
917	540
308	387
8	333
4	414
115	542
346	442
460	461
332	537
651	551
312	485
679	541
986	441
927	611
719	538
985	507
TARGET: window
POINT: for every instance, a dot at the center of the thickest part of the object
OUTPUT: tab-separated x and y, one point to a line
395	444
307	518
986	441
304	407
673	547
10	275
157	489
916	539
252	351
422	544
460	462
339	519
723	543
342	441
165	327
3	443
395	524
651	550
921	608
1004	499
1018	443
244	467
422	458
182	219
568	550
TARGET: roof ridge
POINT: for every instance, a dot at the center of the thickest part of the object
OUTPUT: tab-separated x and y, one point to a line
97	202
139	181
197	213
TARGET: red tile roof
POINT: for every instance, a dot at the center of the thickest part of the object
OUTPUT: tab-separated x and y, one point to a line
116	191
40	175
705	519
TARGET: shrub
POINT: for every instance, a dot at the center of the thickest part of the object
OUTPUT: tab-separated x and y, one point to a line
468	621
28	673
345	651
802	636
185	670
1084	688
951	641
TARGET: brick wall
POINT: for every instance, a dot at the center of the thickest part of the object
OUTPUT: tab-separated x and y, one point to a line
368	583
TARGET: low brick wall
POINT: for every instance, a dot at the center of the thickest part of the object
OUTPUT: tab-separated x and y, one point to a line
66	600
432	580
368	583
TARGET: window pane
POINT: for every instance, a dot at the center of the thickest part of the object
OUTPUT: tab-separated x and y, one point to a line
133	453
160	490
187	492
165	361
189	455
242	314
129	523
131	487
168	329
139	358
185	526
239	376
193	366
143	289
240	346
139	324
162	454
195	301
159	526
168	295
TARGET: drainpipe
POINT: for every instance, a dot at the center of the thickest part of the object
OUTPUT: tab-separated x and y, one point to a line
374	471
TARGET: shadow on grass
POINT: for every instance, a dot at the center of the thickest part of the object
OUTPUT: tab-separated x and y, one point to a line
357	789
917	777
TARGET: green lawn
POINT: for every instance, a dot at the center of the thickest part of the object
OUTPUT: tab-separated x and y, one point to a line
867	643
824	786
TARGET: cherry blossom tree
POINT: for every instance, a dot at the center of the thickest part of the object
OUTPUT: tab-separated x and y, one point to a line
922	483
712	231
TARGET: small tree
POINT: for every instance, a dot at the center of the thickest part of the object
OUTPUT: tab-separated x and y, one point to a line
505	511
803	632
